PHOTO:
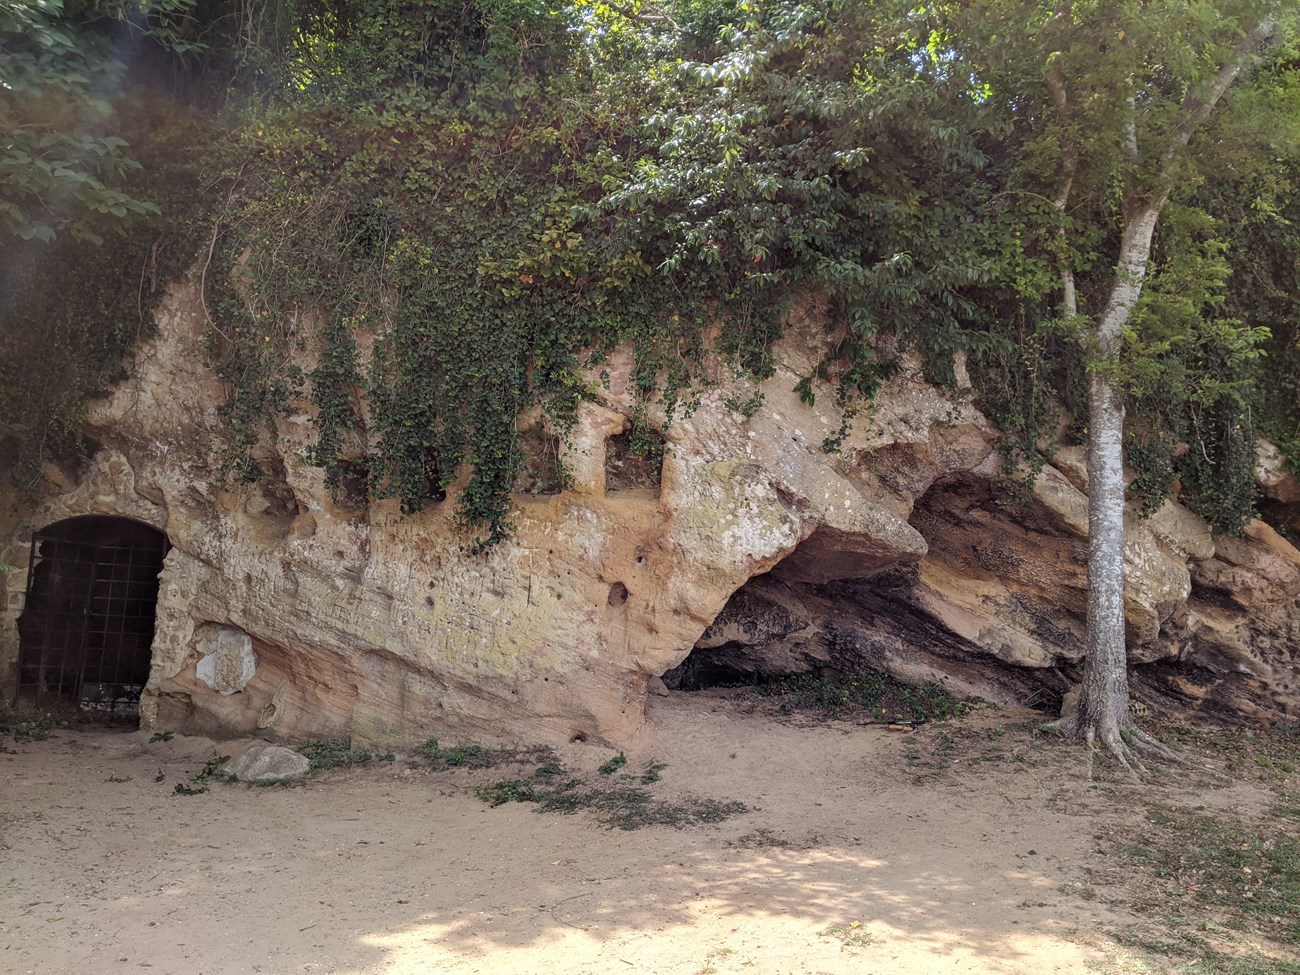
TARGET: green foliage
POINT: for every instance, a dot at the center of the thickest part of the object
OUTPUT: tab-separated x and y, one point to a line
451	211
422	188
59	171
508	790
1260	220
613	765
1219	466
814	145
462	756
27	725
615	806
213	770
1194	346
475	201
1191	372
339	753
872	692
71	311
653	773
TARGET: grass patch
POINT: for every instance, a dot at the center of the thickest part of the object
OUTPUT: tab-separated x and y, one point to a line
1229	890
457	756
1192	955
339	753
1250	878
869	692
212	771
708	968
764	838
613	805
1217	963
27	725
1266	756
613	765
440	758
1233	885
851	935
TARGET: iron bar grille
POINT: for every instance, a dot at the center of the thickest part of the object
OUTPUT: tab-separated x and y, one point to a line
88	621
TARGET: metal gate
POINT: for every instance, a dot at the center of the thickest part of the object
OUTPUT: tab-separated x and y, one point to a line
88	620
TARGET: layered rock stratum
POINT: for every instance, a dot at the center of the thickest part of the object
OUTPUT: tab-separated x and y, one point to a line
285	613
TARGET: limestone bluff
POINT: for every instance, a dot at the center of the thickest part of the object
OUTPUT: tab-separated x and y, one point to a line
283	613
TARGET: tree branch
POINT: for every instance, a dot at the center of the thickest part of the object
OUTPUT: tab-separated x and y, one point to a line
1196	107
656	18
1069	164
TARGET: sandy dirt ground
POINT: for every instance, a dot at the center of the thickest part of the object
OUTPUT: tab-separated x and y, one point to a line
959	848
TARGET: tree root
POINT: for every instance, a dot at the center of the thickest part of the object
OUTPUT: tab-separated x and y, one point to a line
1125	743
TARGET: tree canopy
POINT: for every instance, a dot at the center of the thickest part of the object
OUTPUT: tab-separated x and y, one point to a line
491	192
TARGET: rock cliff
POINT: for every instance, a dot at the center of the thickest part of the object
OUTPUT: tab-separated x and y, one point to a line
286	613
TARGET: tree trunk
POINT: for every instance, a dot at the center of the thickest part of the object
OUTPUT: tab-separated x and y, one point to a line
1103	706
1099	713
1098	710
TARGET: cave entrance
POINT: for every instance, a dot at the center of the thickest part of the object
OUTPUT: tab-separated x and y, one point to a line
765	632
86	630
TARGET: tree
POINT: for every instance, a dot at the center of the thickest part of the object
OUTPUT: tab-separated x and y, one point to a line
1124	89
71	309
825	142
59	168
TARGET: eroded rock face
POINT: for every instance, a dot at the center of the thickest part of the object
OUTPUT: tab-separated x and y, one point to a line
282	613
996	607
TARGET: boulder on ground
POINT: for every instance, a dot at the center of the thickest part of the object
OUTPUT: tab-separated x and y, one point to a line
268	763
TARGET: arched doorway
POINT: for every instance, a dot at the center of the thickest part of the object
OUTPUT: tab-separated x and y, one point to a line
88	619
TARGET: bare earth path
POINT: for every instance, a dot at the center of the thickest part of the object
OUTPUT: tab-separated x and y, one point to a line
951	850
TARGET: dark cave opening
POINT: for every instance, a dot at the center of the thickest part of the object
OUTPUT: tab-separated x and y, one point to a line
86	631
836	608
763	634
